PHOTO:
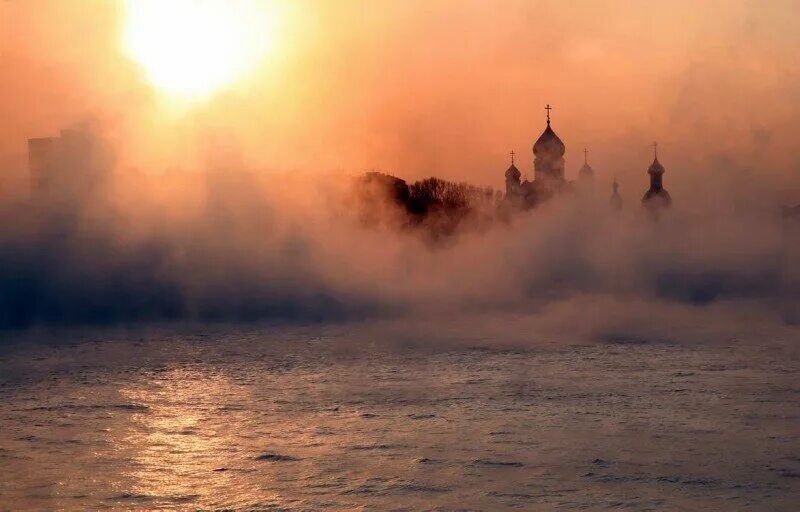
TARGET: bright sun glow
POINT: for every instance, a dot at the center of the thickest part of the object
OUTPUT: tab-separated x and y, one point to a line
191	48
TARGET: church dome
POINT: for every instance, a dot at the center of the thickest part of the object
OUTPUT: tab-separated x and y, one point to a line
656	167
586	171
549	143
657	198
513	173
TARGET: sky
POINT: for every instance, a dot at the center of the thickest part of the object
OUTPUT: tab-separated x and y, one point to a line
429	88
227	198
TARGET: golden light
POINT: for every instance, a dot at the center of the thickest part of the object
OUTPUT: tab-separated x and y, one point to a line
191	48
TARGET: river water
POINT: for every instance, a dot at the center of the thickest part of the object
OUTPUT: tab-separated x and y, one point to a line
328	418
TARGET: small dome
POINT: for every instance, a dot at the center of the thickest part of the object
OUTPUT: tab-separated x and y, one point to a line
513	172
656	167
586	171
657	198
549	142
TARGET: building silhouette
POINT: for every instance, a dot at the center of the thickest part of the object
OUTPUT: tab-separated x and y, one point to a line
512	178
43	158
67	166
549	176
656	198
548	161
586	173
548	171
585	182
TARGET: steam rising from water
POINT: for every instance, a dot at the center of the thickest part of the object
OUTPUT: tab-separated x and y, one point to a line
224	237
235	245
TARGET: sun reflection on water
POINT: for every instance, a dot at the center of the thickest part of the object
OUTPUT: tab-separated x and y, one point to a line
188	433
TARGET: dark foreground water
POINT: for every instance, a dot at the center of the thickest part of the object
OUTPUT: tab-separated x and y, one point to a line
329	418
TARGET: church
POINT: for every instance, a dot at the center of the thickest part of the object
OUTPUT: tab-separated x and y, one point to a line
548	165
549	176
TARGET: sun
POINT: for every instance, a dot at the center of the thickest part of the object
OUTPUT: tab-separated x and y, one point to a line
192	48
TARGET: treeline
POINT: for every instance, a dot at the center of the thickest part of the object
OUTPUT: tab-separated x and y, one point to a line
437	207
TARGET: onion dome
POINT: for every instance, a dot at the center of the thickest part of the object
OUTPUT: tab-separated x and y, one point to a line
512	172
655	167
549	143
657	197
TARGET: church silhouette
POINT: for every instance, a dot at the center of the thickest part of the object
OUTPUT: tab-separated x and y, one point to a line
549	176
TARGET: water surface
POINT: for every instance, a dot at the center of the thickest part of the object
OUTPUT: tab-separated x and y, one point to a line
330	418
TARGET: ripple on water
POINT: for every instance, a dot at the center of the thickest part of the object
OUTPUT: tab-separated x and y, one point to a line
276	457
89	407
497	463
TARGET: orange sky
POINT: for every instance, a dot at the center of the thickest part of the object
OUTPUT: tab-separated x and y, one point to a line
435	87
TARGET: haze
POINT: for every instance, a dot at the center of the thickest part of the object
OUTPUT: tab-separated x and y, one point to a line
422	88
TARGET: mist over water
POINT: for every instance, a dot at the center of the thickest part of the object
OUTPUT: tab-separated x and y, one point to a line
228	243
